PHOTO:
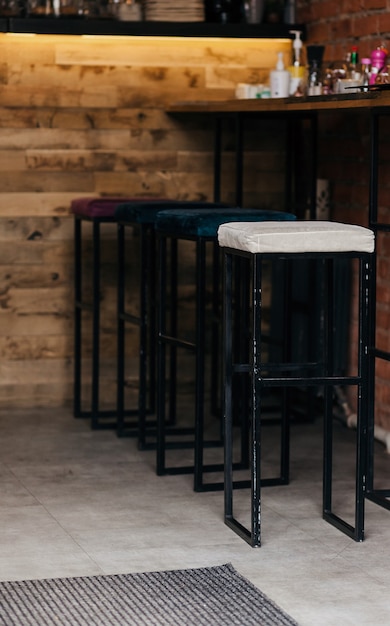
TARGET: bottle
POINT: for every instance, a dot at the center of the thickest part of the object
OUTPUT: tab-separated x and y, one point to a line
314	57
353	66
297	46
378	62
254	11
366	67
297	69
280	79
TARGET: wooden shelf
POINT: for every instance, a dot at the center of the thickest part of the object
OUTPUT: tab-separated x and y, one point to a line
85	26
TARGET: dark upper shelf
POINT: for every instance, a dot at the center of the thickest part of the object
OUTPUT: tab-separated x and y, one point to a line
85	26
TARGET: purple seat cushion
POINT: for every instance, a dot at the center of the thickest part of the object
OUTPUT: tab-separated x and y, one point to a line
100	207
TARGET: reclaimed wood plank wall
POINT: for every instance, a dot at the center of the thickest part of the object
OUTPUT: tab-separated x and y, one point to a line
85	116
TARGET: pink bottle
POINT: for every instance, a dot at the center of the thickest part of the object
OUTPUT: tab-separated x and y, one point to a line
378	62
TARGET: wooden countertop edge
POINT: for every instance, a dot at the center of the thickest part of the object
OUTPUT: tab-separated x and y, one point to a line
373	99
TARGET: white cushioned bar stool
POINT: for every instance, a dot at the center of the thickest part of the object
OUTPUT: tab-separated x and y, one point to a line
268	242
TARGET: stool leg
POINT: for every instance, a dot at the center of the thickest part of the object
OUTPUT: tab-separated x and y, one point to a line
364	399
227	395
77	318
173	327
161	359
256	357
215	331
327	349
95	325
356	532
286	358
252	536
121	331
151	312
143	337
199	362
242	385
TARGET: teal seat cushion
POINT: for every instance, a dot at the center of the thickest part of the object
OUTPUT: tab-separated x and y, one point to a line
145	212
205	223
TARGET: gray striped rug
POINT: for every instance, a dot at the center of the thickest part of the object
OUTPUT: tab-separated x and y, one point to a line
208	596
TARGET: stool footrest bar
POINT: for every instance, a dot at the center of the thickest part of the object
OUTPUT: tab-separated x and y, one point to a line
342	525
379	496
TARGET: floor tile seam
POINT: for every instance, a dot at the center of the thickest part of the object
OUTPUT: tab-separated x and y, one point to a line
313	537
64	530
23	485
363	569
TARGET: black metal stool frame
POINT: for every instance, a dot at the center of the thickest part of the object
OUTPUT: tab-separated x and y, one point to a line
100	418
327	379
146	322
168	337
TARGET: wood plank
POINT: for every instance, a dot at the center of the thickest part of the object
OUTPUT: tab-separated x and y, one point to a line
21	371
28	276
36	325
40	181
23	394
13	160
58	139
163	184
36	229
98	160
35	252
97	78
39	301
35	347
27	204
141	51
93	118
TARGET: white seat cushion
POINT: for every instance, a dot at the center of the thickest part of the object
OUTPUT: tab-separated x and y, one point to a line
299	236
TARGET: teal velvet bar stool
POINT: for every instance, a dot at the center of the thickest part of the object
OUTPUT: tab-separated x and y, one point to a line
327	242
200	227
96	212
141	216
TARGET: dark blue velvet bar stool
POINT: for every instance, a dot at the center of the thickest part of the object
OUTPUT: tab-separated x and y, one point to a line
199	227
96	212
141	216
327	243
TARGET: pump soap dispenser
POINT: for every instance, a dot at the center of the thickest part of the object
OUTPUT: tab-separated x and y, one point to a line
298	73
280	79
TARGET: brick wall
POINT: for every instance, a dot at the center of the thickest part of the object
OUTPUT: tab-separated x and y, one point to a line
339	25
344	145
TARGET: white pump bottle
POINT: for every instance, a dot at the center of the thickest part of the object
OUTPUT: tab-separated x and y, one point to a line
280	79
297	45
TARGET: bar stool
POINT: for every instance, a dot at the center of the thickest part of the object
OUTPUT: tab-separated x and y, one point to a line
201	228
97	212
326	241
142	216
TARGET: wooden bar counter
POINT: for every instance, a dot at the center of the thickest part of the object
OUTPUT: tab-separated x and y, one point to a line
365	100
366	169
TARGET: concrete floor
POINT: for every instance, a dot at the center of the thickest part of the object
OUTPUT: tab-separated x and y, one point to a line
80	502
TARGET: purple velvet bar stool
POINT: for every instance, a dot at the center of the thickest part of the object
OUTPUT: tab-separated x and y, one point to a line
96	211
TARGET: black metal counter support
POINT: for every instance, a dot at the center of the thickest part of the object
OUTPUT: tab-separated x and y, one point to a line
379	496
